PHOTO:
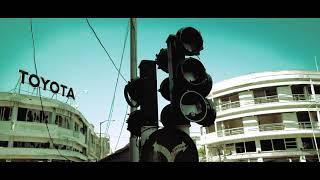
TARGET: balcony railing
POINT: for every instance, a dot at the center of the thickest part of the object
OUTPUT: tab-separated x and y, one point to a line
266	99
230	105
271	127
308	125
230	132
301	97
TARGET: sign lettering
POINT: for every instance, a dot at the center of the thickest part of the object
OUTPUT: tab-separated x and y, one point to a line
34	81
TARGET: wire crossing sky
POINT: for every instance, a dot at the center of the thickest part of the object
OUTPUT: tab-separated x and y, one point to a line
69	53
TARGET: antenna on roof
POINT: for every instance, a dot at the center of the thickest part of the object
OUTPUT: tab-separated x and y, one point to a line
315	60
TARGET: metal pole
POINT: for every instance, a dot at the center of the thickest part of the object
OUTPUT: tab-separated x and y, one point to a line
100	140
315	60
133	148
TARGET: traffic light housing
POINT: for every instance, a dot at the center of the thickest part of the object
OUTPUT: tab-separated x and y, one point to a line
188	83
143	92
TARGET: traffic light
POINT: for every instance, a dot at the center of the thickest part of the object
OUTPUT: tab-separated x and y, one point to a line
143	92
188	83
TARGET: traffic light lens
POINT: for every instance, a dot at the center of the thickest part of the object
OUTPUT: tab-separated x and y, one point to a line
164	89
193	106
162	60
193	71
132	92
191	40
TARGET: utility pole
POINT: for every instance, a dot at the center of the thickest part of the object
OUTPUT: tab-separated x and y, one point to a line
133	148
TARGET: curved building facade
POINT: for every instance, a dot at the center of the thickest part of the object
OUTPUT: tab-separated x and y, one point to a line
265	117
24	135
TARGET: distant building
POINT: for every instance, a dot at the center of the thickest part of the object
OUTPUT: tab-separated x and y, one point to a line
24	135
121	155
269	116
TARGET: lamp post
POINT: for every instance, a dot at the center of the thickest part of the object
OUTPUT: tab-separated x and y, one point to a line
100	136
314	137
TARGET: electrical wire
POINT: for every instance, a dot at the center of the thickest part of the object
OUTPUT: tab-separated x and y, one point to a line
124	120
42	111
105	49
115	89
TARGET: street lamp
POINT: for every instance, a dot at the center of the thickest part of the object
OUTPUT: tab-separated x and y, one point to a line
314	137
100	136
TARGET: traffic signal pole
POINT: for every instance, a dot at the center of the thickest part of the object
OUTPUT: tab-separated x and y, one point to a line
133	148
171	46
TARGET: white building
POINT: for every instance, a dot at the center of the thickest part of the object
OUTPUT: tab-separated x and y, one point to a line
261	117
24	135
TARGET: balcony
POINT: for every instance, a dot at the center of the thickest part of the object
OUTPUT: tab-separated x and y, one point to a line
268	99
230	105
230	132
301	97
271	127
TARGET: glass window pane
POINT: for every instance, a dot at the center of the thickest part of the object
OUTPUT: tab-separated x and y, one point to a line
266	145
250	146
307	143
240	147
278	144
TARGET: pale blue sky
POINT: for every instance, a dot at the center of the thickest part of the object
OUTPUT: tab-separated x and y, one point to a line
67	52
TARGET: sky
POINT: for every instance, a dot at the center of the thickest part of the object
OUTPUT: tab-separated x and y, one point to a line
68	53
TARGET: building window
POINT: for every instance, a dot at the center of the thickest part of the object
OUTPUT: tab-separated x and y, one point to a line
272	145
3	143
22	112
32	115
269	118
31	144
250	146
228	149
234	123
230	101
303	116
240	147
290	143
278	144
316	89
266	145
5	113
265	95
210	129
307	143
243	147
270	122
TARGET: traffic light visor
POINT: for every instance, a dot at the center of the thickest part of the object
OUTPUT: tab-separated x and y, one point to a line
191	40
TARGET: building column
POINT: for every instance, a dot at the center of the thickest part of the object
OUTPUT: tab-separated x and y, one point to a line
250	124
52	119
258	146
217	102
299	143
14	116
303	159
290	120
207	152
246	98
284	94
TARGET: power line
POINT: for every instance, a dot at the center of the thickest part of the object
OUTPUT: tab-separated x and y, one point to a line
105	49
124	120
42	111
115	89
